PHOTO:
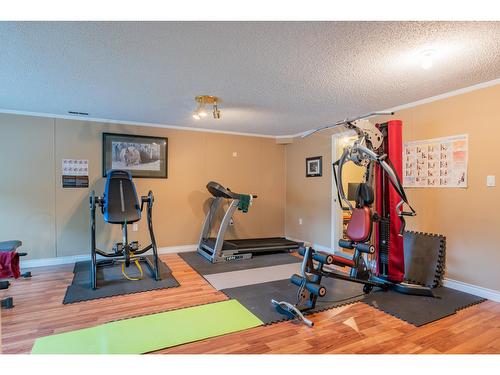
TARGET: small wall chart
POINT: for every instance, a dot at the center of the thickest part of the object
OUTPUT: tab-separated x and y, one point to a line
438	162
75	173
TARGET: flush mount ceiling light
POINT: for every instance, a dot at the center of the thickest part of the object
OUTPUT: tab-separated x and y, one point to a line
427	58
206	101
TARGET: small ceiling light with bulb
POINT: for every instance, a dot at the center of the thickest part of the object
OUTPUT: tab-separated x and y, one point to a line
206	101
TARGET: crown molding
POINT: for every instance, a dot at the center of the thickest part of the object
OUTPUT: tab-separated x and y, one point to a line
417	103
131	123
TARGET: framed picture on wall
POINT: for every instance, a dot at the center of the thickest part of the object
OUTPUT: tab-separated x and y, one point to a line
314	166
143	156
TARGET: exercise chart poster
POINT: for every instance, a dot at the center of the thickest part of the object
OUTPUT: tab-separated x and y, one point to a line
438	162
75	173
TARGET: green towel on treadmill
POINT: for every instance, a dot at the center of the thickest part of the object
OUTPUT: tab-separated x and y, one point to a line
244	203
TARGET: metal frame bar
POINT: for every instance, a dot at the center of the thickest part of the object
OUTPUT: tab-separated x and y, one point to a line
344	122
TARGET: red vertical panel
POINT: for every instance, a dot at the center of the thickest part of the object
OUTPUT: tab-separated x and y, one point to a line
378	208
396	266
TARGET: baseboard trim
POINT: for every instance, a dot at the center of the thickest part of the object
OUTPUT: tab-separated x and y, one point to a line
177	249
493	295
44	262
315	246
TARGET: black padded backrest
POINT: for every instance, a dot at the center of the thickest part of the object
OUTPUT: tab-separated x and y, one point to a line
364	195
121	204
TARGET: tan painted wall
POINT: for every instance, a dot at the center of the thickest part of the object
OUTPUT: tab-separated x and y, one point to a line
309	198
27	196
467	217
53	221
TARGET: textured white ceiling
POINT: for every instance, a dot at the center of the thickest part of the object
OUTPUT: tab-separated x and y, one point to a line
274	78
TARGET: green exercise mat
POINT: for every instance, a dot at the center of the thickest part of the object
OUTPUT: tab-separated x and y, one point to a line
152	332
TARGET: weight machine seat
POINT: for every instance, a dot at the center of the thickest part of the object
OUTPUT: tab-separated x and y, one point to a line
121	204
359	228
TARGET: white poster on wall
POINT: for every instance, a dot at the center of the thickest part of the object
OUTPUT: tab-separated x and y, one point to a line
75	173
438	162
75	167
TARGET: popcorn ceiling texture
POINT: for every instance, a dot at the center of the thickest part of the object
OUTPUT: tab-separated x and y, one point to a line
275	78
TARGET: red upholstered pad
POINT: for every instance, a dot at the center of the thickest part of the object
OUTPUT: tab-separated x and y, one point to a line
360	224
339	260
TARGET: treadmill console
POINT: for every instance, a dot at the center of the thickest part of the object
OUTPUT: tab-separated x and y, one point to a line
217	190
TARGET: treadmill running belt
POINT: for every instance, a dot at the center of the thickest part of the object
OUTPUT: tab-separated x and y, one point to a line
262	243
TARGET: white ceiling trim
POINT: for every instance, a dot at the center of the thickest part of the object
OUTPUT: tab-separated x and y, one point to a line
132	123
186	128
417	103
464	90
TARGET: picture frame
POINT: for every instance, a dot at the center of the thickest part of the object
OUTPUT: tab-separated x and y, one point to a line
143	156
314	166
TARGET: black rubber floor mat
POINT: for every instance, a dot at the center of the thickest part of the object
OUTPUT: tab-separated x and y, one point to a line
419	310
424	258
257	298
111	282
205	267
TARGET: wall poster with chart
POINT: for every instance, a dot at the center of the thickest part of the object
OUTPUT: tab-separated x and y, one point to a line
75	173
438	162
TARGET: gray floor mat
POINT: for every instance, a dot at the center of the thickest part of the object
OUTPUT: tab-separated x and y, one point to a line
204	267
257	298
111	282
415	310
419	310
252	276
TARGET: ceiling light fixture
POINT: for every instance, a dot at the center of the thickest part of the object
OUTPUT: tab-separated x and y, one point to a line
204	101
426	58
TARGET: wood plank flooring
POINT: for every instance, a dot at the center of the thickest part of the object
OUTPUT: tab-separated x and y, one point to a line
356	328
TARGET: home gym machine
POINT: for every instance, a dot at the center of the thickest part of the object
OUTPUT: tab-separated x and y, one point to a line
120	205
375	238
219	250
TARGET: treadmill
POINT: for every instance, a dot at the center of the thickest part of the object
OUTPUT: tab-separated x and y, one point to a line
219	250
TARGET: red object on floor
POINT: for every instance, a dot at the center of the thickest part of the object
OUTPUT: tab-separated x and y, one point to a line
9	264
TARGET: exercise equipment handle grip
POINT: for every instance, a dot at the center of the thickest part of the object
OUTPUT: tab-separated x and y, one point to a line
365	248
346	244
322	258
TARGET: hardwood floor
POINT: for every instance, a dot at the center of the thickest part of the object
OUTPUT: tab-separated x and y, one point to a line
356	328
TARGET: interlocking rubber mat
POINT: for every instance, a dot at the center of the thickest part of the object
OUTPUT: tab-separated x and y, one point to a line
111	282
